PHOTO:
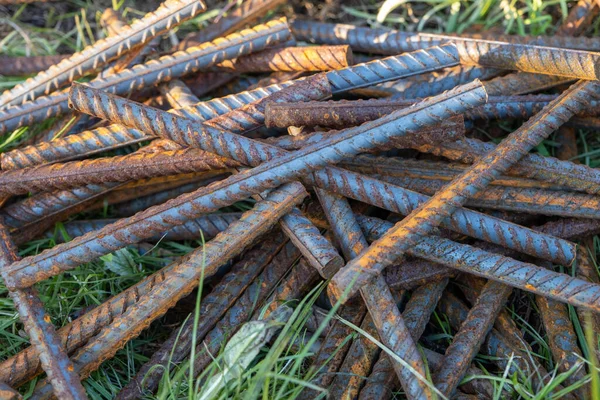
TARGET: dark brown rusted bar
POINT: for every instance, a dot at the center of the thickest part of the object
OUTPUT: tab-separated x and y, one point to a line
42	335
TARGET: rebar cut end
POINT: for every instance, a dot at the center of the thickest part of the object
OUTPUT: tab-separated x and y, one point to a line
74	93
348	54
332	267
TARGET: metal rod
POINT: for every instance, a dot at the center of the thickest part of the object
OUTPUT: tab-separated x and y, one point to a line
421	222
145	224
170	14
38	324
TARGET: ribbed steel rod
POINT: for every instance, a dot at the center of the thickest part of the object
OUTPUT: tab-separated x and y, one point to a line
358	363
38	325
520	83
182	277
335	346
340	114
152	72
177	94
244	151
337	180
213	307
248	12
383	311
416	273
240	313
32	209
208	225
114	136
290	59
170	14
427	85
25	365
562	173
235	188
398	167
128	207
251	116
562	339
315	248
473	260
382	380
136	166
469	338
111	169
526	200
387	42
422	221
495	345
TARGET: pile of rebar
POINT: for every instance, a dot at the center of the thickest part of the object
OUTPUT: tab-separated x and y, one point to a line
362	154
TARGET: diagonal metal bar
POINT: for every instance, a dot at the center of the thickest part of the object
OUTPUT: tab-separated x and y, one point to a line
170	14
38	324
422	221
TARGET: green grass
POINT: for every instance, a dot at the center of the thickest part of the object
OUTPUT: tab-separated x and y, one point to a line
280	371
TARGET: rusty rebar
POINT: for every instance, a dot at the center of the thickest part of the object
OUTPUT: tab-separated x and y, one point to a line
272	250
204	83
248	12
251	116
315	248
415	273
357	364
165	68
525	200
144	225
519	83
413	228
208	226
182	277
243	150
114	136
437	82
303	234
335	345
290	59
42	335
128	207
171	13
469	338
397	167
241	311
562	338
387	42
111	169
495	345
25	365
562	173
341	114
473	260
178	94
383	311
419	308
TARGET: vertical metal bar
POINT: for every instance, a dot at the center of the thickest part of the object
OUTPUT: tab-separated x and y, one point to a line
53	357
382	307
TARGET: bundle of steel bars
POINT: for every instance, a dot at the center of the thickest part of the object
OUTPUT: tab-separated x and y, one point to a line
361	159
